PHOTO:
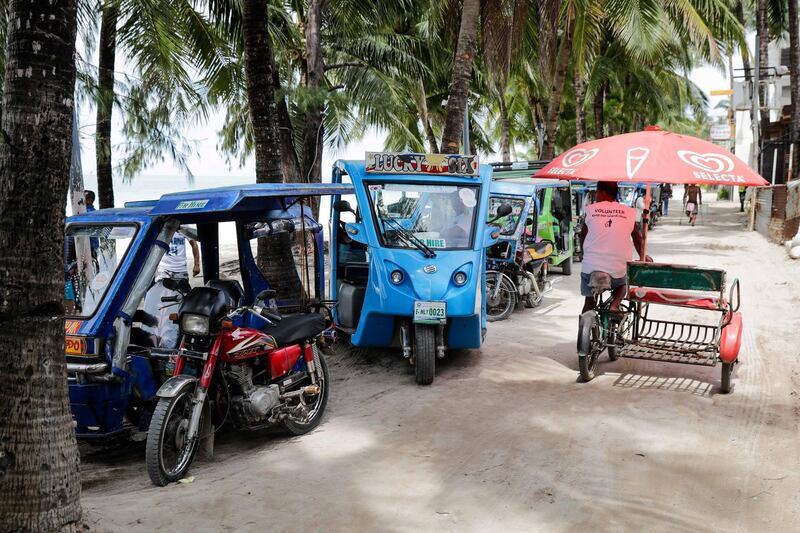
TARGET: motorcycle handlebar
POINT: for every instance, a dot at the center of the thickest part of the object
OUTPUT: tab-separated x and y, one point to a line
174	298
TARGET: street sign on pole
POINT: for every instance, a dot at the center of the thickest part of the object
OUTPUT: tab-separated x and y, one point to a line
720	132
721	92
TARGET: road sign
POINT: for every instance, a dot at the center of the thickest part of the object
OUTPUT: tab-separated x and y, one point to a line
722	92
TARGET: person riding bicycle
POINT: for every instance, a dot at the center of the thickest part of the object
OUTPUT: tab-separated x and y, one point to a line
606	235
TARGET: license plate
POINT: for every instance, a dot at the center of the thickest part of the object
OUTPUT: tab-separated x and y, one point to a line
430	312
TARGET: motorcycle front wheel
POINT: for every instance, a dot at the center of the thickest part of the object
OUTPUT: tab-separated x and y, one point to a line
501	296
169	453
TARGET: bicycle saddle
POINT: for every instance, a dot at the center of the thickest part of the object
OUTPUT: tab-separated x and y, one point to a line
541	249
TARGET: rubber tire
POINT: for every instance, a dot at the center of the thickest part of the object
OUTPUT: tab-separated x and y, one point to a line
566	266
727	371
296	428
424	353
586	367
512	290
154	437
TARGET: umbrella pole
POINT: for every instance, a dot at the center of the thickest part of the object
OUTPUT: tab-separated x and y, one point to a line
645	218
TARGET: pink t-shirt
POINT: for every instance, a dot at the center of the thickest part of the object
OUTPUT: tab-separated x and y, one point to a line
608	246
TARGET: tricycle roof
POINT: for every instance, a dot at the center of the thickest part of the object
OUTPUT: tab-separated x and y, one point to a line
523	186
238	200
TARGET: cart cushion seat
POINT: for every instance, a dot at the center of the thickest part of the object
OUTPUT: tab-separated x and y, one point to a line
712	302
296	328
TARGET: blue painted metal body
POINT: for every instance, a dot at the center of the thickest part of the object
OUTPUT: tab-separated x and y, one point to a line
513	191
99	405
386	302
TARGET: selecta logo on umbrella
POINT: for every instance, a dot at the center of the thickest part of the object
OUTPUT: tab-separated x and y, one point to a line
707	162
578	156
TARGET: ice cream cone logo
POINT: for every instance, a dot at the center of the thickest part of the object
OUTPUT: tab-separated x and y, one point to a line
707	162
635	159
578	156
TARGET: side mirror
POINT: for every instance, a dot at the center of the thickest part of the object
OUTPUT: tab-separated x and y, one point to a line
490	236
502	211
343	206
355	230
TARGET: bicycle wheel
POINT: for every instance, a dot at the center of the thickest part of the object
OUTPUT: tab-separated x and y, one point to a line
589	345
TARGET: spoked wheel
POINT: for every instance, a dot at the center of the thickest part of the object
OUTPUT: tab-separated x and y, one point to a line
501	296
169	453
315	405
727	371
589	346
424	353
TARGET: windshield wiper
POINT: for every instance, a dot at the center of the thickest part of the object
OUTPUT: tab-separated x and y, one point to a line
410	237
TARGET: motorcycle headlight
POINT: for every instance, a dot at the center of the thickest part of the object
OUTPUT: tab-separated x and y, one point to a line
194	324
460	278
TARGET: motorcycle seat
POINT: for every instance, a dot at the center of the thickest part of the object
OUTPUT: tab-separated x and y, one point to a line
296	328
541	249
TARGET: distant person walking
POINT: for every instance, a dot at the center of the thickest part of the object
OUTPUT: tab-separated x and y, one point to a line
174	264
692	199
666	194
742	195
88	200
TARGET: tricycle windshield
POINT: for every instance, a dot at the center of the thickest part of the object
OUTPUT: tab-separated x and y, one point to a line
442	216
86	278
509	223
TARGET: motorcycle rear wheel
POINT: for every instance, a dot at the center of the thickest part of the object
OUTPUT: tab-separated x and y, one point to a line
168	453
317	407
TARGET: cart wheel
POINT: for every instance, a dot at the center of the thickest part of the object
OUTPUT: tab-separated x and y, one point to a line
424	353
727	370
566	266
589	346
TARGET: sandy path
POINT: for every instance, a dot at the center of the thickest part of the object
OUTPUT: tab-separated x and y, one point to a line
506	439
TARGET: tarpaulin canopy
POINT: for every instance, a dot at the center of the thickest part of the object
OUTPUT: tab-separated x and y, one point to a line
654	156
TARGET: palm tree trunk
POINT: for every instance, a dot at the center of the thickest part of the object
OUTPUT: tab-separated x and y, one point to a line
105	103
599	104
505	130
556	91
739	13
580	111
794	76
313	131
762	37
422	103
39	478
462	74
275	257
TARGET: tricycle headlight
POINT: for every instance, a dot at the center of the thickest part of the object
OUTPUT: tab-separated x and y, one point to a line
396	277
194	324
460	278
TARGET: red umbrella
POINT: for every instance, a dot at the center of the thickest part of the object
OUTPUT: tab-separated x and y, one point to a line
652	156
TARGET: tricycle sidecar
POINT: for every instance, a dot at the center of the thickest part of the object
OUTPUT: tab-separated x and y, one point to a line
114	366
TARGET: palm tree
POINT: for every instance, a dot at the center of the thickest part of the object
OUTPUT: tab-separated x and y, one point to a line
105	102
40	486
462	74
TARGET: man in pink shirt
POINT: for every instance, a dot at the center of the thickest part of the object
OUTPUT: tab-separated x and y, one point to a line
608	230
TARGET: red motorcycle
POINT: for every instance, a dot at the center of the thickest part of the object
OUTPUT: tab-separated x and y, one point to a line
246	365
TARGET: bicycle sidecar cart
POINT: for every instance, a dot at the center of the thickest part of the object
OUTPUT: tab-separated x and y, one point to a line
633	333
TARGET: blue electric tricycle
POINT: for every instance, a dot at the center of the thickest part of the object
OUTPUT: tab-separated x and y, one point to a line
115	363
409	262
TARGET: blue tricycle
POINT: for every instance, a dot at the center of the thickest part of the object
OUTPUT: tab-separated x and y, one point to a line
409	262
116	361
